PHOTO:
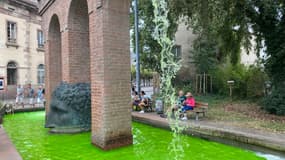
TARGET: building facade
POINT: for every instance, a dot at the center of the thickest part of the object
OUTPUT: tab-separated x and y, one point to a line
21	45
184	39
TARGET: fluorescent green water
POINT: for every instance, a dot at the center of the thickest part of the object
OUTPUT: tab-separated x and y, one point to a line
35	143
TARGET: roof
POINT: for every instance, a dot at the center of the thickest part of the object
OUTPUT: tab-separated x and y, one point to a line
27	4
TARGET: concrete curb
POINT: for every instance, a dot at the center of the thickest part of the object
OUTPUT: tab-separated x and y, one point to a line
7	149
225	134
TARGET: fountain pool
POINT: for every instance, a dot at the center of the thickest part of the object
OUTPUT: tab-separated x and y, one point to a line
34	142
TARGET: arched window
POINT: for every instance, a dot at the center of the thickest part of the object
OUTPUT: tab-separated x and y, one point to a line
41	74
12	73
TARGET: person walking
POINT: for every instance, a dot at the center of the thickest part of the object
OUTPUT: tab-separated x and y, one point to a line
31	95
40	95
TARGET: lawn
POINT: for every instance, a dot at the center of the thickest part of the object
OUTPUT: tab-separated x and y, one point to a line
243	113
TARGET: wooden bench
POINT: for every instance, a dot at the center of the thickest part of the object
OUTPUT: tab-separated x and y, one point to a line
200	108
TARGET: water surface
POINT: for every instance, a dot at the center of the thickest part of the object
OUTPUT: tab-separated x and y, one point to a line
34	142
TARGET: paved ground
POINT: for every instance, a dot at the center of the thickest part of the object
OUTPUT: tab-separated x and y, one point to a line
7	149
218	131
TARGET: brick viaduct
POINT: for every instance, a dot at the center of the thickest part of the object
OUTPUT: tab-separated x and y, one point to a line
88	41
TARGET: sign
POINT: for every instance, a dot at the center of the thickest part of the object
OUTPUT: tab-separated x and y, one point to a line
2	84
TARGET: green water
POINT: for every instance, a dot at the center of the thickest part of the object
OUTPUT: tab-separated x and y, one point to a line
34	142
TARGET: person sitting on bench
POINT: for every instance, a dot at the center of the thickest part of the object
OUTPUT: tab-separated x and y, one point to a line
189	104
180	101
144	101
136	100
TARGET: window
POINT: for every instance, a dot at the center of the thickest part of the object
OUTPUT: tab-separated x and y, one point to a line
40	39
12	73
41	74
11	32
176	50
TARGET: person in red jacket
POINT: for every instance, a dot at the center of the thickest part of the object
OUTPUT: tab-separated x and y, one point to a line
189	104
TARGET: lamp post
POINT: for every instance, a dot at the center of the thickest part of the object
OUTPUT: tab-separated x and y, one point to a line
138	79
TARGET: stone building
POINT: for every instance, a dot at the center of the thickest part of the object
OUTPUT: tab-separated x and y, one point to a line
184	39
21	45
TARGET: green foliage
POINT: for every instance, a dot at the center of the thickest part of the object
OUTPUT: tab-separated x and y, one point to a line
145	73
220	25
249	81
256	78
204	54
149	48
184	87
269	21
223	28
275	102
235	24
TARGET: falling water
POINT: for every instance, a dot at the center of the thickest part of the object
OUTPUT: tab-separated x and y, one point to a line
169	68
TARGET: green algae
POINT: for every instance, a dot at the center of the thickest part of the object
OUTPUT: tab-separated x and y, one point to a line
34	142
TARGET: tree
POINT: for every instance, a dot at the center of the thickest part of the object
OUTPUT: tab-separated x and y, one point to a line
268	22
223	28
149	48
233	24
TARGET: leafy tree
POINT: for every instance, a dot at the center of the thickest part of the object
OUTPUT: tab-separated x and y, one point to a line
223	28
149	47
268	22
230	25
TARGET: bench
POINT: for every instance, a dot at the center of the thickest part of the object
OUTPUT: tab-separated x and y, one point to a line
200	108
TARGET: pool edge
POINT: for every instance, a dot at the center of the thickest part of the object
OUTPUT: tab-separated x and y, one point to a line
221	135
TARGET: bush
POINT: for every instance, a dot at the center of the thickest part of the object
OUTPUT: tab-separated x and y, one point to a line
228	72
185	88
255	82
145	73
275	102
249	81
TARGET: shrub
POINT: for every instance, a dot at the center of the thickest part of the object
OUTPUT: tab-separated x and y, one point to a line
255	82
145	73
275	102
249	81
185	88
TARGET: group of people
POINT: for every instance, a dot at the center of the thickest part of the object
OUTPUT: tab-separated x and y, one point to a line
184	103
29	93
140	101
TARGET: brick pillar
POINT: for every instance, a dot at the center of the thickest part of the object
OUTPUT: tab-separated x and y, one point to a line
110	74
65	56
53	59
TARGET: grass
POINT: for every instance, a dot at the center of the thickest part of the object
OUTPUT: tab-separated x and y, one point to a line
242	113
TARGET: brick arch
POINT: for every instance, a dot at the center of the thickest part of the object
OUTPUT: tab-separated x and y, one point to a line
109	57
78	41
54	58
